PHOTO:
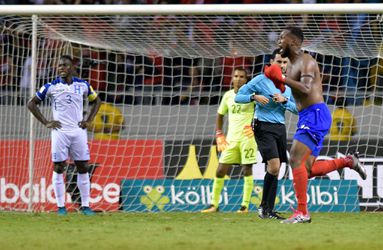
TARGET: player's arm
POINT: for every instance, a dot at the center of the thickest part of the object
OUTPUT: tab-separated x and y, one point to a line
219	135
291	106
290	102
95	103
246	93
219	122
307	76
287	100
35	110
95	106
308	70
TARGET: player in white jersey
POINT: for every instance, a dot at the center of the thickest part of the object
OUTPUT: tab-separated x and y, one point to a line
69	135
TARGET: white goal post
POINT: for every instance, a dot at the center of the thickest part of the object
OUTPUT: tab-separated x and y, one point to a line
144	60
192	9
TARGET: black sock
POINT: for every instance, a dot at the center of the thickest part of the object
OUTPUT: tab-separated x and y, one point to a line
267	182
272	193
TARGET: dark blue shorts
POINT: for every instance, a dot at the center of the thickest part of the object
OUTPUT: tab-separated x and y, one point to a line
313	125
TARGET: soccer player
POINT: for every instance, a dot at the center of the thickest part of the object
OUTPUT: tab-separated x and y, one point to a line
69	135
314	120
270	129
238	147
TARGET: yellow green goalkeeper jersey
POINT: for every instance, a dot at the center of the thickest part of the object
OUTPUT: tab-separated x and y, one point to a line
239	115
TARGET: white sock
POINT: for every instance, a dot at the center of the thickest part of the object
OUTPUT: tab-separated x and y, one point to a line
83	184
59	188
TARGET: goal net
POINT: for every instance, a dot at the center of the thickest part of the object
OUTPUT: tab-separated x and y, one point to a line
161	78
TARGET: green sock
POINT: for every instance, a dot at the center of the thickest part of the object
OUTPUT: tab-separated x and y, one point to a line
217	188
248	184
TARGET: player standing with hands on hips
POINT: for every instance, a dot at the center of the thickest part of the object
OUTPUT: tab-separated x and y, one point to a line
69	134
269	128
314	122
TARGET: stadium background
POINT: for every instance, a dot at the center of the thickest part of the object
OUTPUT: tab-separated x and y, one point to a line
153	86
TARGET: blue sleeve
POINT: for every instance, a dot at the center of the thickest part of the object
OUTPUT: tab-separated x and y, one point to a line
290	105
42	93
245	92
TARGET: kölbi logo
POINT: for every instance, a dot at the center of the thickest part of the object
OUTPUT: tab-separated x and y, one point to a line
179	195
202	195
195	195
156	197
315	196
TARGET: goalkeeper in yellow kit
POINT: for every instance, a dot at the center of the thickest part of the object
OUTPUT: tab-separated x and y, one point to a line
238	147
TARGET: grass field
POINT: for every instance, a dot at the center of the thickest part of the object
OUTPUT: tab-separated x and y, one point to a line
188	231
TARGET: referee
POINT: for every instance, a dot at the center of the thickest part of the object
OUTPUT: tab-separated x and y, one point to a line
269	128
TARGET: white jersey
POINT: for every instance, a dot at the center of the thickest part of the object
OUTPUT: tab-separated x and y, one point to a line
67	100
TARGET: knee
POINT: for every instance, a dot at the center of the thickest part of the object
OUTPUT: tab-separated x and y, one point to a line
82	167
220	172
295	161
273	166
59	167
247	170
273	170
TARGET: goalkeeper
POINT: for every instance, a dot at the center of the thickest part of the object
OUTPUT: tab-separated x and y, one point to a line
270	129
238	147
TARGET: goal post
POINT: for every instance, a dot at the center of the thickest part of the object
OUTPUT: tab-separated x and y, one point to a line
193	9
161	71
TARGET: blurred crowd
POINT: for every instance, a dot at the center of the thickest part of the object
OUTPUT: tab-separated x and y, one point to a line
150	80
134	78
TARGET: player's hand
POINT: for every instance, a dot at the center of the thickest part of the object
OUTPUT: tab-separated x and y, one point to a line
84	124
222	144
53	124
261	99
248	131
279	98
274	73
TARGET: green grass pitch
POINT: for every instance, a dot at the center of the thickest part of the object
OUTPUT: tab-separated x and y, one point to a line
188	231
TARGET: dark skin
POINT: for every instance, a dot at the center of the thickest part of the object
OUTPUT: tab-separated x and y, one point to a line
65	69
303	76
239	79
302	73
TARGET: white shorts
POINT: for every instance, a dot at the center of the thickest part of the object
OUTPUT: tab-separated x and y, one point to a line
73	143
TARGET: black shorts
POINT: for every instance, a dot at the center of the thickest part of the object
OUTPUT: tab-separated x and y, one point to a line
271	140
